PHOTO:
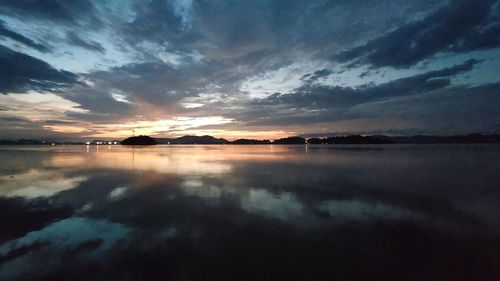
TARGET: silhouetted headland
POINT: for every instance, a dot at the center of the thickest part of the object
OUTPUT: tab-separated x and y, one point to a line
139	140
349	139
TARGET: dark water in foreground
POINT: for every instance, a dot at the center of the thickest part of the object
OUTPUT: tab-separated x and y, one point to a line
425	212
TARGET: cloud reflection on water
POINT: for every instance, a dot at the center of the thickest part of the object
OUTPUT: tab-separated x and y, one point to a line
60	240
35	183
193	211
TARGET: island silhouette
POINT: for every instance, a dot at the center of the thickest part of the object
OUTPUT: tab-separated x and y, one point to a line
341	139
349	139
139	140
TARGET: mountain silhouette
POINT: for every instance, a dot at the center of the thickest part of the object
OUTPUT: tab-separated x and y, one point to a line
139	140
192	140
350	139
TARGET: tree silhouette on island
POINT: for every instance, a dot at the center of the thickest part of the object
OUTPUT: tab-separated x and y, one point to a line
139	140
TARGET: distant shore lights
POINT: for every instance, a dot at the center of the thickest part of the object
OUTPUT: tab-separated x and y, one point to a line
102	142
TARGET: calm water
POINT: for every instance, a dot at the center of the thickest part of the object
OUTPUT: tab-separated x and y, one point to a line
425	212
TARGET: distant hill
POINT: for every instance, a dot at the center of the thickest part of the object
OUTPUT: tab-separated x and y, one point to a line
351	139
139	140
290	140
250	141
192	140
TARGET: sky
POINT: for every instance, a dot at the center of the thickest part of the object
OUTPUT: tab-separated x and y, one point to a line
248	69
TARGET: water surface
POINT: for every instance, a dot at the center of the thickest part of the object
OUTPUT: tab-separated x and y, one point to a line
326	212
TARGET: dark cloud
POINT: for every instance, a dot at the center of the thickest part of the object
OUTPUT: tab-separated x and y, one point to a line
446	111
78	12
154	84
157	82
58	122
427	98
226	31
76	40
460	26
449	111
322	96
99	102
21	73
5	32
313	77
12	119
154	21
22	128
